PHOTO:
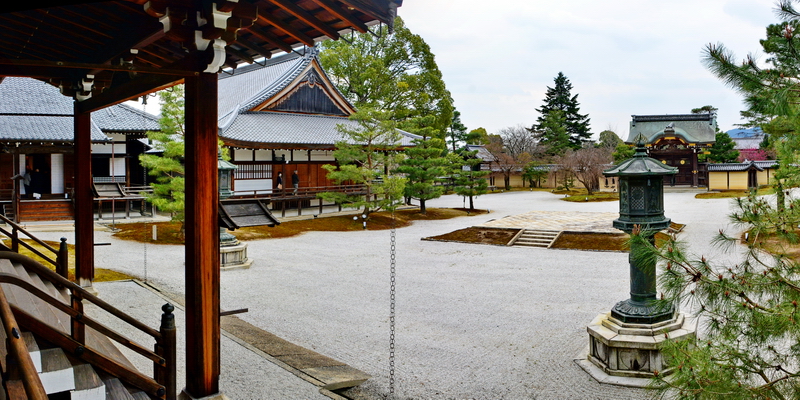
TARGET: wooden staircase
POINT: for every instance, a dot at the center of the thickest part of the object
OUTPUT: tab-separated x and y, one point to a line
62	375
536	238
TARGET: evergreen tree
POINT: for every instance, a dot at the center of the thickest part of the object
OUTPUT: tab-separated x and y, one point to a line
423	167
457	133
534	172
553	134
363	157
609	140
477	136
622	152
470	180
559	98
394	72
723	150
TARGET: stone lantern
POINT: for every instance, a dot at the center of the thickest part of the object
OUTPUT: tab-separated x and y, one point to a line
624	343
232	253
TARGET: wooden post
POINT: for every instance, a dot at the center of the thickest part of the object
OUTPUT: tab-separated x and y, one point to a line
202	237
15	239
63	259
166	374
78	329
84	221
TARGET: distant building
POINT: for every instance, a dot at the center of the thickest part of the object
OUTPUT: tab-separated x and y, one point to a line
748	142
676	140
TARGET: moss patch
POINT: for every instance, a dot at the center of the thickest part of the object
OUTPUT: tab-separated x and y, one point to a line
169	232
733	193
494	236
100	274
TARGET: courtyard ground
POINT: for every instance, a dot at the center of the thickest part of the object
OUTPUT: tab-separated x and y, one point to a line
473	321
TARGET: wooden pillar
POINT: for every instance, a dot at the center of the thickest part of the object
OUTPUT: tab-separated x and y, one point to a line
202	238
84	218
695	180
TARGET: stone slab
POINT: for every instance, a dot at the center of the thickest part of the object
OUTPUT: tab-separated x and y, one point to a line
338	377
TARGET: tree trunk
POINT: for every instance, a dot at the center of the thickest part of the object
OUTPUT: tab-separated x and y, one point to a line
471	207
422	208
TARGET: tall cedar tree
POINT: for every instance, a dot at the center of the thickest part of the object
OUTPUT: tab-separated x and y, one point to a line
470	180
394	72
553	135
423	167
559	98
363	156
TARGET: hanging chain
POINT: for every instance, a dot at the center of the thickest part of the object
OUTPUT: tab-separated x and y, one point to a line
145	262
392	247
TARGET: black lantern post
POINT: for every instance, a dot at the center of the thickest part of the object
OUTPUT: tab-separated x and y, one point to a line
641	207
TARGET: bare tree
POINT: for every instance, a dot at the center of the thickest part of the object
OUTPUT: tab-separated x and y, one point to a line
504	160
518	140
586	165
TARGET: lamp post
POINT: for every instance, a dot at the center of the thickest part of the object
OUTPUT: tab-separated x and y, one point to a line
641	208
624	344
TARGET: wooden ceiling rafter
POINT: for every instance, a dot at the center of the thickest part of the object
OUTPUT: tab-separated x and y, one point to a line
58	37
253	47
342	14
270	38
21	35
69	21
268	19
306	17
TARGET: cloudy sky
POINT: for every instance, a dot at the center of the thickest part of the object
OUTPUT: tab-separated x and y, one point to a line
623	57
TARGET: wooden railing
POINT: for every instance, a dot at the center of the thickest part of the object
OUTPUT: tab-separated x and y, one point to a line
162	385
61	262
288	194
19	365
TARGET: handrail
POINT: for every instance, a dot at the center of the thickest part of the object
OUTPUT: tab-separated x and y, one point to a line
59	263
162	357
287	192
18	351
58	280
75	315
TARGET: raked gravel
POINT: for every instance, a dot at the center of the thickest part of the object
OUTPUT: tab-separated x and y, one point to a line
473	321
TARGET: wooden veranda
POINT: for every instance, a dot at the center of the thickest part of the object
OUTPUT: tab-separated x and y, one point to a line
104	53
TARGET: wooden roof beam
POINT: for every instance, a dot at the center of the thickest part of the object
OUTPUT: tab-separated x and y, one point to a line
270	38
342	15
253	47
306	17
266	17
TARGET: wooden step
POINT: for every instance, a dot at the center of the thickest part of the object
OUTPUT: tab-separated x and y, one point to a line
115	390
57	375
33	349
88	385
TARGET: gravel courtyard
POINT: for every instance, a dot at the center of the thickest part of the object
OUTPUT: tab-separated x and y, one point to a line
473	321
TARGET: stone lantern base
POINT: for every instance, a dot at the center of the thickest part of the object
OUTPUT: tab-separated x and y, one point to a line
627	354
234	256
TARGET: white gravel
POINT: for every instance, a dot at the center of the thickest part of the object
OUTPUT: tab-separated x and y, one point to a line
473	321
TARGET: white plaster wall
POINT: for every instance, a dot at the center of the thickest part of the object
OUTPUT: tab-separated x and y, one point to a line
56	173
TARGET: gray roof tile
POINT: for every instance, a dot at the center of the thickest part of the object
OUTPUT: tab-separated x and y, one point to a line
252	84
694	128
290	129
35	111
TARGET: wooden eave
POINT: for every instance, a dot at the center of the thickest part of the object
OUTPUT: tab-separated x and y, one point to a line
62	45
295	84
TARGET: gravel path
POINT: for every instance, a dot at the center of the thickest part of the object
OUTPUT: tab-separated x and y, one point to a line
473	321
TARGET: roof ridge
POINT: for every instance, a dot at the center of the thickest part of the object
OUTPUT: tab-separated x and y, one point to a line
279	83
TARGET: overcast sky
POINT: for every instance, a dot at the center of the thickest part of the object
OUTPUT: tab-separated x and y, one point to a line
623	57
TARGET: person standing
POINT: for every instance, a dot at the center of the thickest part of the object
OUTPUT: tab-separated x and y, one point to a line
280	182
295	182
26	182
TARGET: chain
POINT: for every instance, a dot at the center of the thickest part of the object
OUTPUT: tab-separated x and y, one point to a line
392	247
145	262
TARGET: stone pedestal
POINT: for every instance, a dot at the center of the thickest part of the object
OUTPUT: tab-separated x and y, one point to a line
627	350
234	256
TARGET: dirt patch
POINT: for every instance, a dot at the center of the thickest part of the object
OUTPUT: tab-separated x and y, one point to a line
494	236
591	241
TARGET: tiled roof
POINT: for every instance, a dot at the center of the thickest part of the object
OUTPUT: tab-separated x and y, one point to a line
483	153
694	128
42	129
733	167
253	84
288	128
34	111
766	164
124	118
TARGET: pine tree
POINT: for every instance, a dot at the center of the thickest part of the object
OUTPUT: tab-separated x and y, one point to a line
457	133
723	150
559	98
363	157
470	181
553	135
423	167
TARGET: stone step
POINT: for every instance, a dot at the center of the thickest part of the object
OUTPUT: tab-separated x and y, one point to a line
536	238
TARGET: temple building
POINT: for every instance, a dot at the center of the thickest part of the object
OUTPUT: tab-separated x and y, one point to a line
36	134
281	116
677	140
